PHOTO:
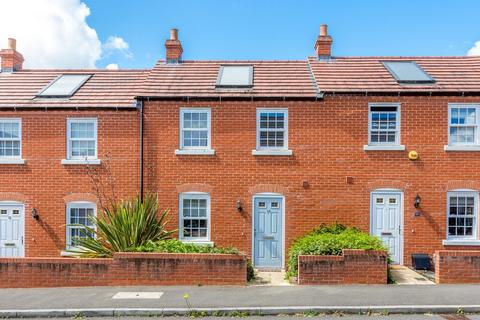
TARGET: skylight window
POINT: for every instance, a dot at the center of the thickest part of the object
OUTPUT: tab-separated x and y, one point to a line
65	85
407	72
235	77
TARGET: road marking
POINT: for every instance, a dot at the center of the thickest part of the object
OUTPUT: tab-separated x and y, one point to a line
137	295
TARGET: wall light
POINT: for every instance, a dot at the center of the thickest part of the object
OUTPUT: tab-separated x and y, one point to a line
35	214
239	206
416	204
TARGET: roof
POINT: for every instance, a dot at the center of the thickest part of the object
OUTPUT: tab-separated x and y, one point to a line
368	74
199	78
106	88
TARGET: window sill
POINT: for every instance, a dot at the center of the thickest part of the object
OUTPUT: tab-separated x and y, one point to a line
464	242
272	152
12	161
368	147
195	152
461	148
81	161
199	242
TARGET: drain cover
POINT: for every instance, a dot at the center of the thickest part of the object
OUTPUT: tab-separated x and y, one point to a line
137	295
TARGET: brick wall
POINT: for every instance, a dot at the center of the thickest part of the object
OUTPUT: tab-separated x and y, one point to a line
352	267
124	269
45	184
327	139
457	266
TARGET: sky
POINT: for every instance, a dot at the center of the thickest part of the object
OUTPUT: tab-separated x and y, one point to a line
131	34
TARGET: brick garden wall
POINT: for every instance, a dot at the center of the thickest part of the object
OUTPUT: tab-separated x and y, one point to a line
124	269
352	267
457	266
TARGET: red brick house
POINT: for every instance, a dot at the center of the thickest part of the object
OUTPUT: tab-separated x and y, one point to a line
254	153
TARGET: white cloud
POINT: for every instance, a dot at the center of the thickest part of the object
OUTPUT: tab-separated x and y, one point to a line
115	43
55	34
112	66
475	50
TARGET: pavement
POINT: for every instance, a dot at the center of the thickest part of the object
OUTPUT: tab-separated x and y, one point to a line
322	317
227	300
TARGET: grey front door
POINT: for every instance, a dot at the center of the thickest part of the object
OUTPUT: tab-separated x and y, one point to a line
268	230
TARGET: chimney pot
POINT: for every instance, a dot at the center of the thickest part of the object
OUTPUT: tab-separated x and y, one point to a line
12	60
12	44
174	34
323	45
323	30
173	48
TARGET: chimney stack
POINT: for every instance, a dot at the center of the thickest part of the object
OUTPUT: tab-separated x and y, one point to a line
12	60
173	48
323	45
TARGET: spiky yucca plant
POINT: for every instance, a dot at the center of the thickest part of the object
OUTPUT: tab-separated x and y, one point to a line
124	227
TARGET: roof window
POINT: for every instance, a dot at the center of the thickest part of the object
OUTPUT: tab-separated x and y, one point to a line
235	76
64	86
407	72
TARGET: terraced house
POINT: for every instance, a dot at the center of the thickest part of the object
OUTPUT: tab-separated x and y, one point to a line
247	153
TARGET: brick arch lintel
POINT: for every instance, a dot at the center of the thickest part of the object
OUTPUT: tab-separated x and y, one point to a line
13	196
387	184
267	188
462	184
72	197
194	187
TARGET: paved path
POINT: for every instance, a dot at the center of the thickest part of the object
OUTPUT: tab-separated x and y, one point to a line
252	299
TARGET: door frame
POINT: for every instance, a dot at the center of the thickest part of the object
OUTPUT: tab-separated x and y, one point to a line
272	196
388	191
22	227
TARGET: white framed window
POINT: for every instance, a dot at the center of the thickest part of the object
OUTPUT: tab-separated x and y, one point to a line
463	124
462	213
82	139
194	209
10	138
78	215
384	124
272	129
195	128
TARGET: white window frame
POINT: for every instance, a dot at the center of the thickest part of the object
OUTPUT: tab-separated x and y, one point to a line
475	146
69	139
199	150
397	141
76	205
463	193
194	195
13	159
284	151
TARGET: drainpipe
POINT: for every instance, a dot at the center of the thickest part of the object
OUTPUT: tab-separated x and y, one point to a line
141	149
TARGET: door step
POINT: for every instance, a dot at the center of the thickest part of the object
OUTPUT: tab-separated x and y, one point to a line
270	278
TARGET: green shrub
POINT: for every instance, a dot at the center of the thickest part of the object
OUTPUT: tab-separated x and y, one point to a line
177	246
128	225
250	271
330	240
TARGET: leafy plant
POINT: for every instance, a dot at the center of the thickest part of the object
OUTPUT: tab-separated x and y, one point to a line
125	227
177	246
250	271
330	240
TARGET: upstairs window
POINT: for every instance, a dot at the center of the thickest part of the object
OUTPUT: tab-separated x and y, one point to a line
462	215
463	125
64	86
79	216
194	128
384	125
235	76
82	139
10	138
272	129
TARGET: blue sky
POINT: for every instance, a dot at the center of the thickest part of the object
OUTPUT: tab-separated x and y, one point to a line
248	29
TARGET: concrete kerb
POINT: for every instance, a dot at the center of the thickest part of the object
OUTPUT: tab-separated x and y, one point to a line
111	312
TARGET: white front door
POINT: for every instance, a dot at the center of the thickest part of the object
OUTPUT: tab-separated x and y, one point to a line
11	231
386	220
